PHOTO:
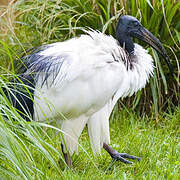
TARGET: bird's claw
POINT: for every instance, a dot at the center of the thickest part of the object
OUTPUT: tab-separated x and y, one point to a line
116	156
121	156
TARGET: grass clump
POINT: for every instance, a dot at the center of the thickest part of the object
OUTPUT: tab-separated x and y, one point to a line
30	152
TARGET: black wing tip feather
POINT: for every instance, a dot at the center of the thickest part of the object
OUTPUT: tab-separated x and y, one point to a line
20	93
36	64
30	57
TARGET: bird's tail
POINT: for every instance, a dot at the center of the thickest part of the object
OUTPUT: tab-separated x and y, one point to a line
19	92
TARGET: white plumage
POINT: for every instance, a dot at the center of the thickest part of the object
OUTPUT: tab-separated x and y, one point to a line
79	81
94	74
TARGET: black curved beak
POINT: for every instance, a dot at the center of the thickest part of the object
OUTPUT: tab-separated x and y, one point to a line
144	35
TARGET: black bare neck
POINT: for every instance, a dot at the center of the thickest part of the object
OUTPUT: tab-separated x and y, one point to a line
126	42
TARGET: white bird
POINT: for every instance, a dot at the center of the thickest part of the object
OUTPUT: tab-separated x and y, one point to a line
81	79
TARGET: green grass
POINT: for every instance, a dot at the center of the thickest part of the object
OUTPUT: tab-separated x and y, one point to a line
31	151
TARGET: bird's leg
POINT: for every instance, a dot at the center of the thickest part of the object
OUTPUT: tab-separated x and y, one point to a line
119	156
67	157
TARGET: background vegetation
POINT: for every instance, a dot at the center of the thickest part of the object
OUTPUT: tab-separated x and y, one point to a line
32	152
32	23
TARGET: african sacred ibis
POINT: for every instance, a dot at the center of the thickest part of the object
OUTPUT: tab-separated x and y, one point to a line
82	79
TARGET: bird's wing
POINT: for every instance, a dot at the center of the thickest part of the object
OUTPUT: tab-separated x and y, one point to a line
61	62
48	69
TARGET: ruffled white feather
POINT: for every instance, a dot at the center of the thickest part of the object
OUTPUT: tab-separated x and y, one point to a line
92	77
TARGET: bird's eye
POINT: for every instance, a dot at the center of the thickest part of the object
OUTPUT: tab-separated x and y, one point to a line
135	23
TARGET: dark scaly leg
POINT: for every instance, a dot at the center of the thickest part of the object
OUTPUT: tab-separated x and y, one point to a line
119	156
67	157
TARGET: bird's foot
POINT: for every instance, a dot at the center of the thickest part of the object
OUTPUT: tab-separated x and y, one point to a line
119	156
67	158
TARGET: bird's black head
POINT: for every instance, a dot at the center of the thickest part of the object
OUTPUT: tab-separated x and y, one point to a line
129	26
